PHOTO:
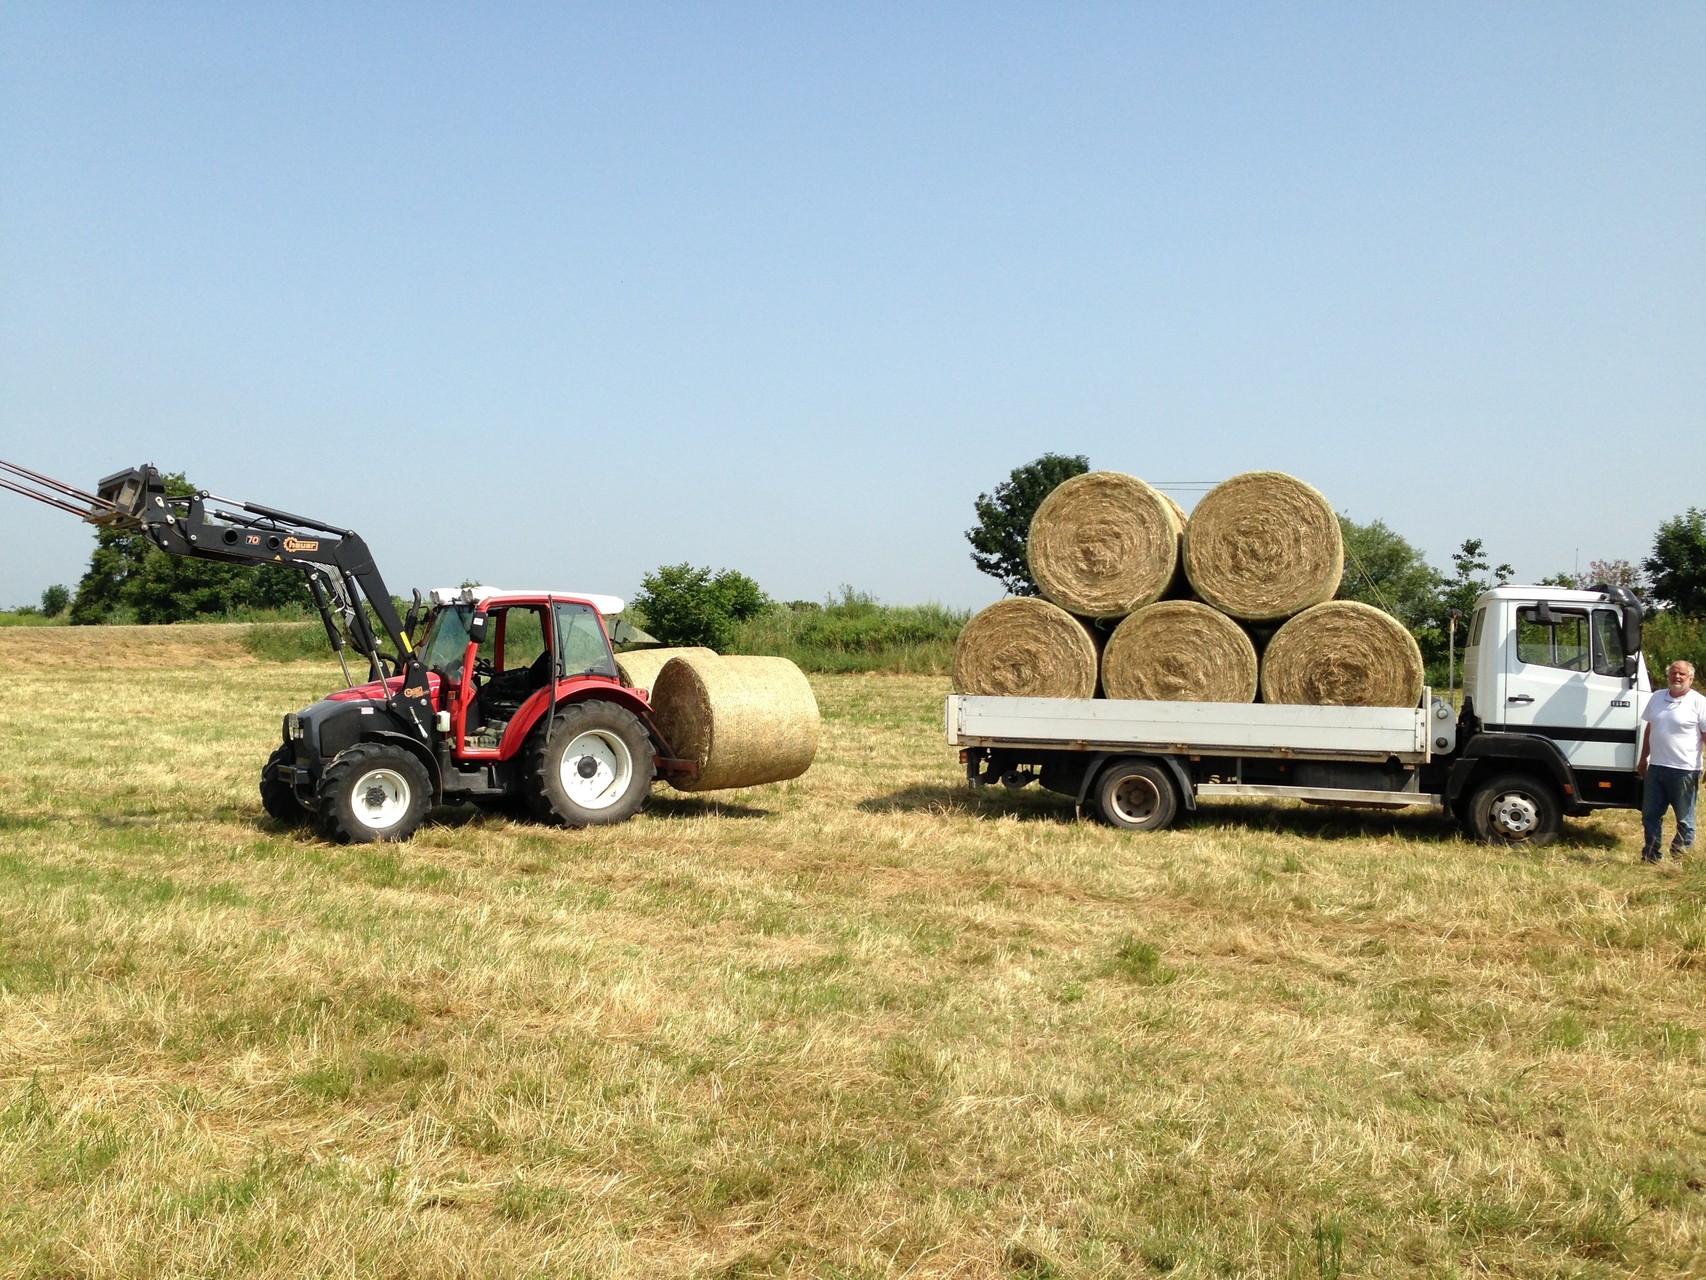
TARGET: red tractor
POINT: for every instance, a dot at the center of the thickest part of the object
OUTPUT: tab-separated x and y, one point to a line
510	697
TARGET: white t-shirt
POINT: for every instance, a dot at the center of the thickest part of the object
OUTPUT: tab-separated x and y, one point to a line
1677	724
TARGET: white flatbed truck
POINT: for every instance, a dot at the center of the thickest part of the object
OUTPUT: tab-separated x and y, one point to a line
1553	687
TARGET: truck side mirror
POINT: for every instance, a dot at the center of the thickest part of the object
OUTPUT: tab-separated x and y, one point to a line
477	628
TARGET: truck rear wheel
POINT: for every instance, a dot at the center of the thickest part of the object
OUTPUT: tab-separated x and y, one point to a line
278	797
373	791
1136	795
1514	808
595	769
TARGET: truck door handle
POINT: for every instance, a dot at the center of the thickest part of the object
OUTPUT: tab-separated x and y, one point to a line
1522	698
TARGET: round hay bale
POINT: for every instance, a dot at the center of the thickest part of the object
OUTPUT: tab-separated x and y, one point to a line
639	668
1103	543
1025	648
1343	654
744	720
1179	651
1263	546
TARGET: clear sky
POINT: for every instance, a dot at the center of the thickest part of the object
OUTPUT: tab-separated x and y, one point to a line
550	295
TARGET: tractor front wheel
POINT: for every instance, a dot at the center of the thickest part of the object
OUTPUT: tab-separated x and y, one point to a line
373	791
593	767
278	797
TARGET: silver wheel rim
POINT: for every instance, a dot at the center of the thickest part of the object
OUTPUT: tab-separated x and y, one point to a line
596	769
1136	798
1515	814
380	798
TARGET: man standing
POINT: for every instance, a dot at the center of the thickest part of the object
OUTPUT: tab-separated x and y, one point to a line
1673	739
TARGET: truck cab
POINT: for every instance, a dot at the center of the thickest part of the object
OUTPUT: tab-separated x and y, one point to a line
1556	677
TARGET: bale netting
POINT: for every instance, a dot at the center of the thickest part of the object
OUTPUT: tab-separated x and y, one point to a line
1179	651
1263	546
639	668
1343	654
1104	543
1025	648
743	720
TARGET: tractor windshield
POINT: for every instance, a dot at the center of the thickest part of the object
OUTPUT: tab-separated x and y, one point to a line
447	641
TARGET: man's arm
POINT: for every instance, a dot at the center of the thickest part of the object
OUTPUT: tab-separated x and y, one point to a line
1646	746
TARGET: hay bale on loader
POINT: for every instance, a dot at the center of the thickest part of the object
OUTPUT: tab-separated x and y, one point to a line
1103	544
1179	651
1343	654
743	720
1263	546
1025	648
639	668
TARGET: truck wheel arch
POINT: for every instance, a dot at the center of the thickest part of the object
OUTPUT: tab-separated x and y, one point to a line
1488	754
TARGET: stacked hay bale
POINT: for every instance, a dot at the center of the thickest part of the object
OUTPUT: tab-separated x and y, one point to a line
1184	602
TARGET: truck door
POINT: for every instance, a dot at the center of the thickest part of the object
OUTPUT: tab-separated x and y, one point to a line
1565	681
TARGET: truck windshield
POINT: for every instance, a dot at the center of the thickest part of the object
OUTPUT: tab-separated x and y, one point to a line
447	640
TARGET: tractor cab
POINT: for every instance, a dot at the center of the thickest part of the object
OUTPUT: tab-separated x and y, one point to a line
493	653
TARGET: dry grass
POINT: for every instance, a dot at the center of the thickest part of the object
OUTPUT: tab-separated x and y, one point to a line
859	1024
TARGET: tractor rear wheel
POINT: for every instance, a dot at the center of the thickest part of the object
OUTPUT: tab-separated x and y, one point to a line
278	797
373	791
594	767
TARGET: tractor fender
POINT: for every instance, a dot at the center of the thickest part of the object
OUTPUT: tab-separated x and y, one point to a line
1488	751
588	691
1187	793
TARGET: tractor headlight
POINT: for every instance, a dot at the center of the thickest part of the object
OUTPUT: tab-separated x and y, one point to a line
292	727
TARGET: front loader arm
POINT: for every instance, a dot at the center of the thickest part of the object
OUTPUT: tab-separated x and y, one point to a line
340	569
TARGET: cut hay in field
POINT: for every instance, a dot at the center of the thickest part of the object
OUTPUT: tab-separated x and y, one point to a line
744	720
1263	546
1103	544
1025	648
1179	651
1343	654
639	668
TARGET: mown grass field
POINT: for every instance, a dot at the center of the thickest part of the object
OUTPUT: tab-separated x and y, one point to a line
864	1024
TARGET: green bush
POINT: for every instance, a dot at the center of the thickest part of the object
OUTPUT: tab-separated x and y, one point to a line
684	605
855	633
1665	637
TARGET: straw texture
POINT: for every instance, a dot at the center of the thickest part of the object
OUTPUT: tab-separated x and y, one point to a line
1103	543
1025	648
639	668
744	720
1179	651
1263	546
1343	654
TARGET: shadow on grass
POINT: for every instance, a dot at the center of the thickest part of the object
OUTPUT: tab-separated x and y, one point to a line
693	807
1315	822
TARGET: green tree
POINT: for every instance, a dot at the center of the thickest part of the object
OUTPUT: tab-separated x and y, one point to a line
1384	570
1004	519
1460	591
684	605
1677	566
129	573
55	600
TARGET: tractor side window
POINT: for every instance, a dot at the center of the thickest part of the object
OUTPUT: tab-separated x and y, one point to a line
1562	643
1608	655
582	646
447	641
523	635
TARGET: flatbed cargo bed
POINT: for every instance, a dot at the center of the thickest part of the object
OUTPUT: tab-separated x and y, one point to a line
1192	728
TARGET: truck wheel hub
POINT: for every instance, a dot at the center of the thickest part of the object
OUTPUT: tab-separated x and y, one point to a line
1516	814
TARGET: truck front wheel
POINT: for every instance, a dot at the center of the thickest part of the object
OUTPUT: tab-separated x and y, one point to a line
1136	795
373	791
1514	808
594	768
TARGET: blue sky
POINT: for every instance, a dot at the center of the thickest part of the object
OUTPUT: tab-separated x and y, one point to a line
552	295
